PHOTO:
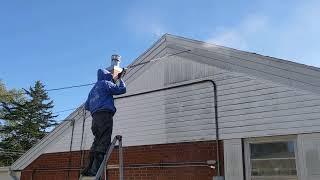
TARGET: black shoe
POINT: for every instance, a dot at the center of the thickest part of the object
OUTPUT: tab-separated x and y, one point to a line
98	158
86	171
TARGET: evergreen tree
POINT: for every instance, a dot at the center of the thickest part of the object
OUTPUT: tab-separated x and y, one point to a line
26	122
7	99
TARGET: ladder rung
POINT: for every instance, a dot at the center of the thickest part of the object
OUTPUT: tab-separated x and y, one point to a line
87	177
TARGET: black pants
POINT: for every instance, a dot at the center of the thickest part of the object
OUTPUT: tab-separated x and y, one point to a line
102	124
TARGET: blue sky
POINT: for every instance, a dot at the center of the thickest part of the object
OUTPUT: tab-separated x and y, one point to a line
63	43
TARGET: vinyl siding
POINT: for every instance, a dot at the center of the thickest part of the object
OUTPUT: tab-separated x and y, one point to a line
309	156
233	162
247	106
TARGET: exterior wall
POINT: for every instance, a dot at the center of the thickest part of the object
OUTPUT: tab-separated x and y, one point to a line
171	116
4	173
309	156
188	161
276	70
247	106
233	159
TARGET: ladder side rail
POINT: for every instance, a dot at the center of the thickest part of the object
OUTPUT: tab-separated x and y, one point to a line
105	159
121	159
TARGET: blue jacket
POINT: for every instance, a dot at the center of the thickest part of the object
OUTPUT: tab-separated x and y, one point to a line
100	97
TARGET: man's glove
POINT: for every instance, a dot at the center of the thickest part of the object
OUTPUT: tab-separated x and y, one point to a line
123	72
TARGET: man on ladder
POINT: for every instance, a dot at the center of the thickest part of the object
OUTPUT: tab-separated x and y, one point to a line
100	103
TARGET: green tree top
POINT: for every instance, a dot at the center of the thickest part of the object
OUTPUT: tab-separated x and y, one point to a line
25	121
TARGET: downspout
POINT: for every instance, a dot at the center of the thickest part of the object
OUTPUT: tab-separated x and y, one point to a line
217	126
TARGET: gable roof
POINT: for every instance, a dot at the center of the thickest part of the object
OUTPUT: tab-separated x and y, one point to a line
285	72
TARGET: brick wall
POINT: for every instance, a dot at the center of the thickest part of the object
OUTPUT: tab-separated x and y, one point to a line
151	162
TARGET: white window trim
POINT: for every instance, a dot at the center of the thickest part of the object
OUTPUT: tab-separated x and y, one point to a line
266	140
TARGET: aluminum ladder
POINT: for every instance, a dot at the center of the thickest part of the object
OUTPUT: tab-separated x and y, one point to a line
102	168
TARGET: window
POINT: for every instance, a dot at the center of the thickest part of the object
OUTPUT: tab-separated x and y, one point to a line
271	159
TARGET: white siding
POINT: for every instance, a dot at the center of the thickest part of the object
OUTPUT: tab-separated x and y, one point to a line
233	162
264	67
247	106
4	173
309	156
168	116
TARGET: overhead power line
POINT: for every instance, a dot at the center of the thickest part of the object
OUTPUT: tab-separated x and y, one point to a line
89	84
69	87
65	110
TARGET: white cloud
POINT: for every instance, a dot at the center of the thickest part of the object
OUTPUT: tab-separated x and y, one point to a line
238	36
155	29
295	37
230	38
145	22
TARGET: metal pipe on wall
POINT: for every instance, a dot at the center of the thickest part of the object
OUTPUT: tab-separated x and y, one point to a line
215	110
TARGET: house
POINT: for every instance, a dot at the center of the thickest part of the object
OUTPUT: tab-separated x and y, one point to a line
4	173
267	116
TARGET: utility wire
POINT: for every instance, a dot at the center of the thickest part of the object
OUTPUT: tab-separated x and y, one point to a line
69	87
130	66
153	60
66	110
89	84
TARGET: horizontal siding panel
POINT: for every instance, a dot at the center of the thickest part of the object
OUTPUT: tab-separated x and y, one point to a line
270	114
290	98
169	127
253	93
259	98
201	118
169	131
154	97
272	107
199	135
161	100
274	132
177	114
272	126
237	84
247	88
270	120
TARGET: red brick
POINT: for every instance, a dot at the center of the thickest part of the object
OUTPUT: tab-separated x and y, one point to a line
55	165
